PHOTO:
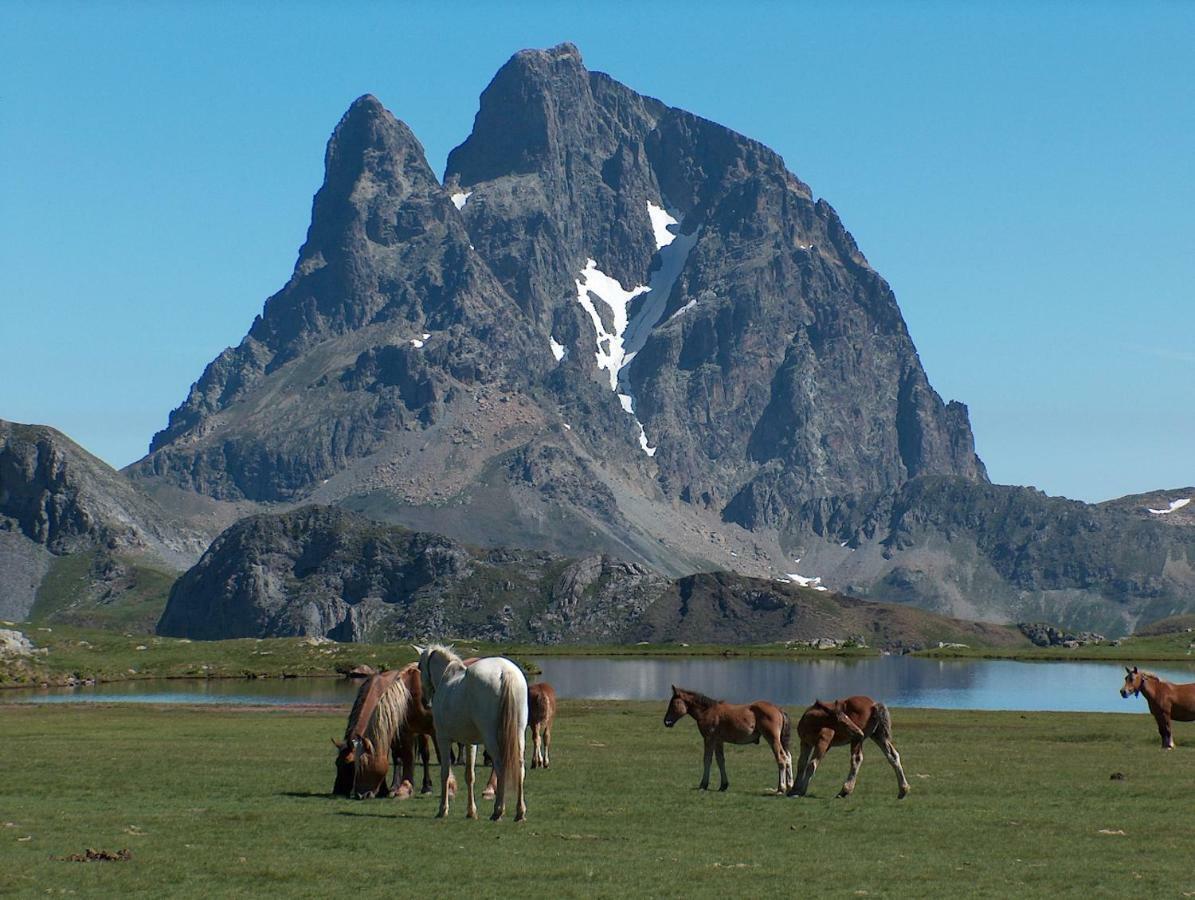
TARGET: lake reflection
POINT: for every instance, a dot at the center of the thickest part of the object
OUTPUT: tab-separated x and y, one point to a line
897	680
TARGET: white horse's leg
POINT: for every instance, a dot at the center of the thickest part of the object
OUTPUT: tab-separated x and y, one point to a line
470	759
444	748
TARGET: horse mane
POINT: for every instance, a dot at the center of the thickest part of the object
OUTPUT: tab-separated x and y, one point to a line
698	699
445	649
379	711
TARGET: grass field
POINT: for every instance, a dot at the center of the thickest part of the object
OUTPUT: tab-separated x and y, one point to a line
217	803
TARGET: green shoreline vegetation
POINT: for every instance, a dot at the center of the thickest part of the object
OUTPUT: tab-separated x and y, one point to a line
223	802
68	654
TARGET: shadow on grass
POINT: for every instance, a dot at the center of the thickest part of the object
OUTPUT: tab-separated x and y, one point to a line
307	794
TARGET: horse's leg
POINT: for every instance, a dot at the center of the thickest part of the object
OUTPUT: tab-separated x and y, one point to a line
444	748
893	760
535	745
720	752
500	775
470	759
491	785
1163	721
856	762
815	756
424	755
403	785
797	788
547	742
783	762
708	758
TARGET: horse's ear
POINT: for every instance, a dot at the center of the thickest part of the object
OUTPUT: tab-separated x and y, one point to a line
339	744
417	649
674	688
1128	670
1134	670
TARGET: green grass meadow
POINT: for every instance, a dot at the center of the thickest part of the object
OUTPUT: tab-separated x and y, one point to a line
234	802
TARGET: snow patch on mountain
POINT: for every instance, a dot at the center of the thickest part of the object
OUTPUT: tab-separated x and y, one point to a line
460	198
558	350
1174	504
815	583
618	344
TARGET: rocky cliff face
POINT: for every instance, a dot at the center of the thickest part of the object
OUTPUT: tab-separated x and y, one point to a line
616	327
320	571
57	501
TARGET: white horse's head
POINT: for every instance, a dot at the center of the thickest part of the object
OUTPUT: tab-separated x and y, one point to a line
433	660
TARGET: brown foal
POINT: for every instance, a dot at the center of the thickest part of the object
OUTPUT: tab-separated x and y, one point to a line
850	721
721	723
541	711
1167	701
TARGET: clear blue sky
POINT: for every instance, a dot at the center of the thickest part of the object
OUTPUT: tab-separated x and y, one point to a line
1022	174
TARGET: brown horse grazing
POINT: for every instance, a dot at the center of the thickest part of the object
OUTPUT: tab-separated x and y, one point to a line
721	722
852	721
1166	700
541	710
388	719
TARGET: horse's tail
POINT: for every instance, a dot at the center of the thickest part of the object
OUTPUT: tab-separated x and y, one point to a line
786	731
883	723
512	722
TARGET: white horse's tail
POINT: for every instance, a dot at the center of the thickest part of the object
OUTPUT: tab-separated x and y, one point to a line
511	723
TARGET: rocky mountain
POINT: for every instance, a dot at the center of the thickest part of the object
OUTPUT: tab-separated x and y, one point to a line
73	531
321	571
616	327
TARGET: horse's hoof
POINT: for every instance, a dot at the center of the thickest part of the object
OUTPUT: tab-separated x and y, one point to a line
904	792
487	794
723	787
841	795
471	814
403	793
496	817
521	817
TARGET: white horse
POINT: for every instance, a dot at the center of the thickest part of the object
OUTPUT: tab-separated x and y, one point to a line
482	703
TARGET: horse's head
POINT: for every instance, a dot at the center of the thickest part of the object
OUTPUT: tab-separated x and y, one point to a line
837	712
350	754
676	709
427	689
1133	680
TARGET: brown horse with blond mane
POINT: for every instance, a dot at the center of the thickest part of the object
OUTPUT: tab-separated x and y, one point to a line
388	719
541	712
850	721
721	723
1167	700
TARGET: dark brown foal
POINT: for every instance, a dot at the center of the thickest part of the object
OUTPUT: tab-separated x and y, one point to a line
721	723
850	721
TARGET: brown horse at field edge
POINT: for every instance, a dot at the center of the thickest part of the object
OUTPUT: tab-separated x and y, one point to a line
853	720
1167	701
720	723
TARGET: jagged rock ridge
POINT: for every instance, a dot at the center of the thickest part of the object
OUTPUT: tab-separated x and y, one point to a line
320	571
